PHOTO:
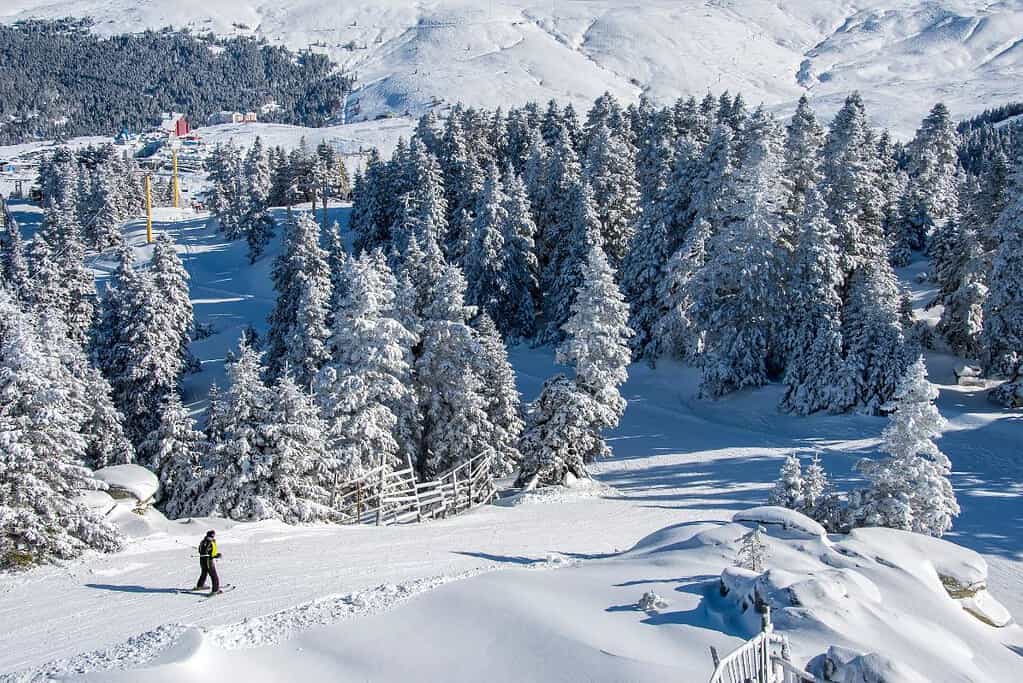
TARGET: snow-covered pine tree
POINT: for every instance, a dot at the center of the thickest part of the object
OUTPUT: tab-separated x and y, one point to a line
854	202
106	441
788	489
14	262
559	435
486	271
517	317
452	396
257	225
173	451
677	331
368	377
752	552
369	220
933	158
643	266
816	492
1002	337
298	332
803	142
564	424
500	395
737	292
171	281
462	180
104	231
891	182
597	340
239	467
215	415
295	489
566	265
41	449
875	345
427	206
910	489
816	375
135	346
610	171
557	212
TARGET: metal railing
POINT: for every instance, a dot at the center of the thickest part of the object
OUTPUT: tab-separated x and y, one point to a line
760	660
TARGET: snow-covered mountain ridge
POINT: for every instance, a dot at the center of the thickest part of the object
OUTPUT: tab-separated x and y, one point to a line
903	55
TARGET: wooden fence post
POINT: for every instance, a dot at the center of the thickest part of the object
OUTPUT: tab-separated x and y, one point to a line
380	499
415	489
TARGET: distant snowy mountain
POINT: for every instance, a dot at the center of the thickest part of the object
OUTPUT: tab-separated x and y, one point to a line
902	55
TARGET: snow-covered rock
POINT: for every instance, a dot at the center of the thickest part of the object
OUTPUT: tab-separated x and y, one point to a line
843	665
97	501
132	481
985	607
789	520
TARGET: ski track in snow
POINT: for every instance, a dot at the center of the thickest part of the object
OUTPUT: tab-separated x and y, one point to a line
249	633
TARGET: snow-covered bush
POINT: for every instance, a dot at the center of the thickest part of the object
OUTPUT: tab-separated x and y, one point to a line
910	489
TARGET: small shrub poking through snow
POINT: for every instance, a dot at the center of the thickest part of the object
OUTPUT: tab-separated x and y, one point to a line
651	602
752	551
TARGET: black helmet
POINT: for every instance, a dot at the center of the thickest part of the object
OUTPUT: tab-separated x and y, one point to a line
211	533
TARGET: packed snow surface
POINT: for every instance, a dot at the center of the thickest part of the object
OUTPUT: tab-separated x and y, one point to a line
544	586
409	56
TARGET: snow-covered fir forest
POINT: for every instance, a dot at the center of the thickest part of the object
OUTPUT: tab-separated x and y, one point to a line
58	78
755	250
708	235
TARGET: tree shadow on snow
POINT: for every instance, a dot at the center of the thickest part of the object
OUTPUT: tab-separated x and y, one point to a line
505	559
130	588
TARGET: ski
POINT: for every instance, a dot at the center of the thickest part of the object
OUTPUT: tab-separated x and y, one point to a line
227	588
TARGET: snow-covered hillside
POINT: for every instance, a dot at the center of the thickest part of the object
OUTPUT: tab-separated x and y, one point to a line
333	602
904	55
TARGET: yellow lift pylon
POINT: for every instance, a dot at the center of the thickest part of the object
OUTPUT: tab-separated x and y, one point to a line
149	209
174	165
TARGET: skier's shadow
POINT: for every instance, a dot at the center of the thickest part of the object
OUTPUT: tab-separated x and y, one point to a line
131	589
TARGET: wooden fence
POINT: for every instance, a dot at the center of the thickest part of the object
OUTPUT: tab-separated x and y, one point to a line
758	660
383	496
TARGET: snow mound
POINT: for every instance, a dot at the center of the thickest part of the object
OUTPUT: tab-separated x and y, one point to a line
842	665
97	501
790	520
133	480
580	489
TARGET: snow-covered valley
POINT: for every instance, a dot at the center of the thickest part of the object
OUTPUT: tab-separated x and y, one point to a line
903	55
538	588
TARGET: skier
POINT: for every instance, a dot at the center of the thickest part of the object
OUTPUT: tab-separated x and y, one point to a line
208	553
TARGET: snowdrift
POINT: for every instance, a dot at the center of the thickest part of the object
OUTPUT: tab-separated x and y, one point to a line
874	605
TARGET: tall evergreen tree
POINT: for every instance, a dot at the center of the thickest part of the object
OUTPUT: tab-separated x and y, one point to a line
564	424
816	377
41	449
173	451
368	376
298	331
609	169
501	397
1003	308
737	296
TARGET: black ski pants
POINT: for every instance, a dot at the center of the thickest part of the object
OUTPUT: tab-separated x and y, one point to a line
208	569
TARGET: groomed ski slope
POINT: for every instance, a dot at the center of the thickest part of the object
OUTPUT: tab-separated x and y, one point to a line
557	591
